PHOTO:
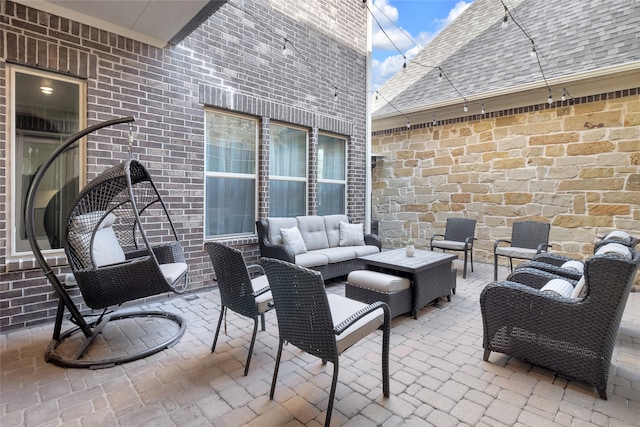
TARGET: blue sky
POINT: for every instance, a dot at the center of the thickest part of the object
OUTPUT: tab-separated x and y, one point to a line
409	25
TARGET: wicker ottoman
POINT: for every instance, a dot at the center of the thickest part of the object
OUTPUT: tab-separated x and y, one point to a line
371	286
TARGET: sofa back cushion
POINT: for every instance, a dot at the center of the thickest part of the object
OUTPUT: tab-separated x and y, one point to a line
313	232
332	225
274	226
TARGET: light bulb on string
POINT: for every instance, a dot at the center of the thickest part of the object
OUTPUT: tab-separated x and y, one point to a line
505	20
549	99
483	111
533	53
408	124
440	75
377	93
564	95
404	65
466	107
285	50
434	122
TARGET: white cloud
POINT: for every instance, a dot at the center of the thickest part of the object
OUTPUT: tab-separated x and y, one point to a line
457	10
387	16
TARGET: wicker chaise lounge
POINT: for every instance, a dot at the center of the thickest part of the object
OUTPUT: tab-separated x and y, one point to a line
572	336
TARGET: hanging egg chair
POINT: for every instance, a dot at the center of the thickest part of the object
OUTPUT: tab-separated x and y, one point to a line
121	246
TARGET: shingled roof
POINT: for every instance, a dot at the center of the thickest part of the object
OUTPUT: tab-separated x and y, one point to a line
587	47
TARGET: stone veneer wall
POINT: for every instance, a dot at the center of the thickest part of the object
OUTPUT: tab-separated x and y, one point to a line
576	166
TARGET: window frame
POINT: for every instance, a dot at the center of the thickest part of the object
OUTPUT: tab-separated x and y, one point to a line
346	168
284	178
11	173
214	174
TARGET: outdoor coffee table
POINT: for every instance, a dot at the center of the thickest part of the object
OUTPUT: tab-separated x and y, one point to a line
430	273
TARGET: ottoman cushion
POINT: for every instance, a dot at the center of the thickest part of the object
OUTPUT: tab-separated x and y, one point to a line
377	281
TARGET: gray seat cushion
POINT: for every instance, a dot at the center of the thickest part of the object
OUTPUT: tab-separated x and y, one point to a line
523	253
448	244
341	309
311	259
313	232
377	281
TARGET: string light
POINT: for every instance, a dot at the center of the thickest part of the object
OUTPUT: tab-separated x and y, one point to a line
483	111
549	98
404	65
466	107
408	124
564	95
505	20
285	51
434	120
533	53
440	75
377	94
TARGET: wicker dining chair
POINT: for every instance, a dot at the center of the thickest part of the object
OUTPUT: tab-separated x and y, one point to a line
238	292
528	238
458	236
573	336
320	324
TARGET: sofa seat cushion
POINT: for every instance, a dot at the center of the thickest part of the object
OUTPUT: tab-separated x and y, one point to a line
338	254
332	225
274	226
364	250
313	232
312	259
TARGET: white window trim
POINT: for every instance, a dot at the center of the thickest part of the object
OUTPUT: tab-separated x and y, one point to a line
254	176
11	71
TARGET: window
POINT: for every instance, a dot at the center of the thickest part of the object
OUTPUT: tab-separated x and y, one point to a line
287	171
44	110
331	175
230	174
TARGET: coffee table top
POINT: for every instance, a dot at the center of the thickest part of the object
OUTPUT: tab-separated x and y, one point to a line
398	259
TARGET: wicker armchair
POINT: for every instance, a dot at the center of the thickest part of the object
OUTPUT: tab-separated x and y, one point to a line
571	268
320	324
458	236
574	337
528	238
248	297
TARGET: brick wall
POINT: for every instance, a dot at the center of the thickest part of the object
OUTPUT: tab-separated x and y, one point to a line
575	165
233	61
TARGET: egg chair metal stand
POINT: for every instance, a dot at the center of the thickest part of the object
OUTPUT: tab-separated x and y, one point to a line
113	261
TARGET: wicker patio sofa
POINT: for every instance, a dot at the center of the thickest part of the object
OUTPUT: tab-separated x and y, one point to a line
330	243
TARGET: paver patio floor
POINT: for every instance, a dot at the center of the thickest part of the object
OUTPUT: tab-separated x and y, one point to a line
438	376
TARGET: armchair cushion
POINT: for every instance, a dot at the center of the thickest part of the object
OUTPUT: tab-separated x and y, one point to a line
516	252
351	234
341	309
449	244
292	238
580	290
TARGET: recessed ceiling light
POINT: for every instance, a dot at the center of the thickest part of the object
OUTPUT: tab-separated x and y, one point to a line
47	90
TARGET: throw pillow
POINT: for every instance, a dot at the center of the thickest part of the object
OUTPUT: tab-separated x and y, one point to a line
619	235
615	249
558	286
292	238
351	234
574	265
